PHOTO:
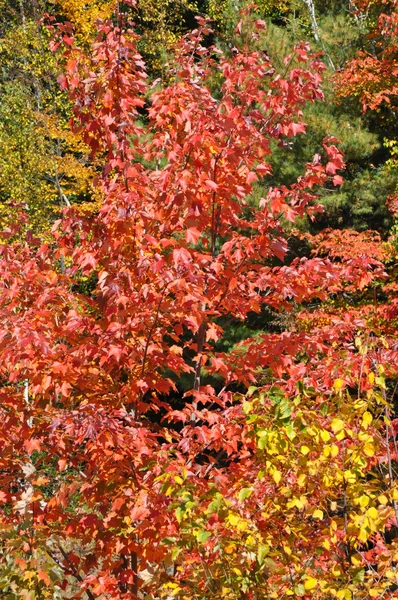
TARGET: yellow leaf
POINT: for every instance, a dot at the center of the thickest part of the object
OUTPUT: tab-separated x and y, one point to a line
233	519
366	419
344	595
325	435
356	560
295	502
338	384
247	407
372	513
350	476
337	425
277	475
334	450
304	450
242	525
301	479
381	382
371	378
310	584
369	449
363	535
178	479
364	501
169	490
317	514
383	499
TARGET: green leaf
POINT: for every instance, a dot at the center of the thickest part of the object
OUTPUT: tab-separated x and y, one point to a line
168	541
359	576
262	432
262	443
299	590
262	552
179	514
271	564
285	408
247	407
291	434
244	494
202	536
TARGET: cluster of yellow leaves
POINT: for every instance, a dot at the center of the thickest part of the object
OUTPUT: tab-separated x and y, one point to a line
392	162
43	165
33	579
160	24
325	471
320	502
84	14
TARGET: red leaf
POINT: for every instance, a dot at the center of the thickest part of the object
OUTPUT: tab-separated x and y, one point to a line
62	464
211	184
238	28
192	235
32	445
42	576
69	41
63	82
331	168
260	24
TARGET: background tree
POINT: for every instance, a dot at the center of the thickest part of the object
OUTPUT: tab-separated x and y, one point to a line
43	164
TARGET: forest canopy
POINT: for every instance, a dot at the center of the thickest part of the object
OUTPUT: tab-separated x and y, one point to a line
198	300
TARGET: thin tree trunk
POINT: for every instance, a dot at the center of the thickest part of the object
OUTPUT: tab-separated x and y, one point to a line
315	29
314	24
198	368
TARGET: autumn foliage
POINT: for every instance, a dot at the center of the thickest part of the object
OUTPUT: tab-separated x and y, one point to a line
268	475
372	75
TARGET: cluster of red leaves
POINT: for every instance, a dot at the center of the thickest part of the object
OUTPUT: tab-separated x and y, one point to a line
372	77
